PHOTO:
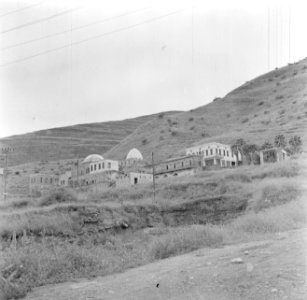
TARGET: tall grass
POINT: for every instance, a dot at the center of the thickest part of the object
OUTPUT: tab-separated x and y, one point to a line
53	261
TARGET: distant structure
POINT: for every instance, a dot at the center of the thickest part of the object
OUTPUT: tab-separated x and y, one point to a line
133	178
215	155
134	158
94	169
178	166
273	155
42	182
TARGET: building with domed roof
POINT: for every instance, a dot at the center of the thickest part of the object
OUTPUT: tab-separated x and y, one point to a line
134	154
94	169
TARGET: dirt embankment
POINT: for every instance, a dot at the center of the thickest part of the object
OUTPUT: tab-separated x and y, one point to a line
92	219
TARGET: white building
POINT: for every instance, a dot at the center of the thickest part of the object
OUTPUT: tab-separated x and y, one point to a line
215	154
133	178
95	163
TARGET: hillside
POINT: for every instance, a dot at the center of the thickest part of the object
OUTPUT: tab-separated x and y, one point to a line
273	103
71	141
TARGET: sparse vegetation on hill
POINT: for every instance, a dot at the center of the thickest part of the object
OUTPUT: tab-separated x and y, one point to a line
232	117
73	141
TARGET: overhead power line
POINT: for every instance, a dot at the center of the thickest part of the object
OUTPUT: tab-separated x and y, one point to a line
95	37
38	21
72	29
20	9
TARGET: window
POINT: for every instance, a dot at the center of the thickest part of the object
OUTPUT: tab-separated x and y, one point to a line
174	166
166	167
207	152
190	163
182	164
103	165
224	152
95	166
109	165
215	151
51	180
99	166
227	153
46	180
220	152
211	151
91	168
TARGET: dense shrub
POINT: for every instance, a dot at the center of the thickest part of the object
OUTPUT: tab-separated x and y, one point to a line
58	196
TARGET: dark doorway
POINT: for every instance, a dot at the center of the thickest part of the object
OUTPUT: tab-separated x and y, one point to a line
135	180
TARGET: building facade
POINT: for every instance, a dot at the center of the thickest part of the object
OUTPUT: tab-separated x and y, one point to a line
45	181
184	165
273	155
215	155
133	178
94	169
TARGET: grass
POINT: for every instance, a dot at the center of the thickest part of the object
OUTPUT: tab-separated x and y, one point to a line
60	249
52	261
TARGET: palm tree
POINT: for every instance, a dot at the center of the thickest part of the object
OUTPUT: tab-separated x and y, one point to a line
280	141
237	148
266	145
295	143
249	151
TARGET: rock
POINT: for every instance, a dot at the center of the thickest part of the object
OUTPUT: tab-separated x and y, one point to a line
237	260
246	252
274	290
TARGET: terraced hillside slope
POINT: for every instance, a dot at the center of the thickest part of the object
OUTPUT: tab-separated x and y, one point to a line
273	103
71	141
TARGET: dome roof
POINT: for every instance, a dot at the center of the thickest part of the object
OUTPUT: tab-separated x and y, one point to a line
93	158
134	154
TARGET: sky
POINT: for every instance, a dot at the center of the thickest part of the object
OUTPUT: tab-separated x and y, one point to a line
71	62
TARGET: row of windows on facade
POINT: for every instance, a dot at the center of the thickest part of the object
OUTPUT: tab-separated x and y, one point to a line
96	167
217	151
182	165
48	181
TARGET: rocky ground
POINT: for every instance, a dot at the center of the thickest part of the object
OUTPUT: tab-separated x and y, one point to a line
270	269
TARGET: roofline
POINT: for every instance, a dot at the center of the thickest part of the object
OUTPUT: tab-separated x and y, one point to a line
201	145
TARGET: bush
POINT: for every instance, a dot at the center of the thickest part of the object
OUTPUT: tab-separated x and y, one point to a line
244	120
260	103
58	196
144	141
191	119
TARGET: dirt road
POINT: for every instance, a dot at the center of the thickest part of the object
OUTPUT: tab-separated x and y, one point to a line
272	269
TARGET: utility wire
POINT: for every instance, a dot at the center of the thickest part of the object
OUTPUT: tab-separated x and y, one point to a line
38	21
95	37
21	9
72	29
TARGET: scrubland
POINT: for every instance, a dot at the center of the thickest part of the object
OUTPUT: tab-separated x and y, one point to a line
56	247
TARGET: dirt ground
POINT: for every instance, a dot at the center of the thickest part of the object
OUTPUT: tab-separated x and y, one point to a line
271	269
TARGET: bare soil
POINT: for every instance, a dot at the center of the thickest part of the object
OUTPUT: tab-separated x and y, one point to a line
270	269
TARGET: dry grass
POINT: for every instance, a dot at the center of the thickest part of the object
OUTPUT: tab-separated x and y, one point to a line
52	261
60	254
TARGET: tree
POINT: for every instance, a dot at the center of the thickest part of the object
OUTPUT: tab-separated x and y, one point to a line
295	143
249	150
237	148
280	141
266	145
